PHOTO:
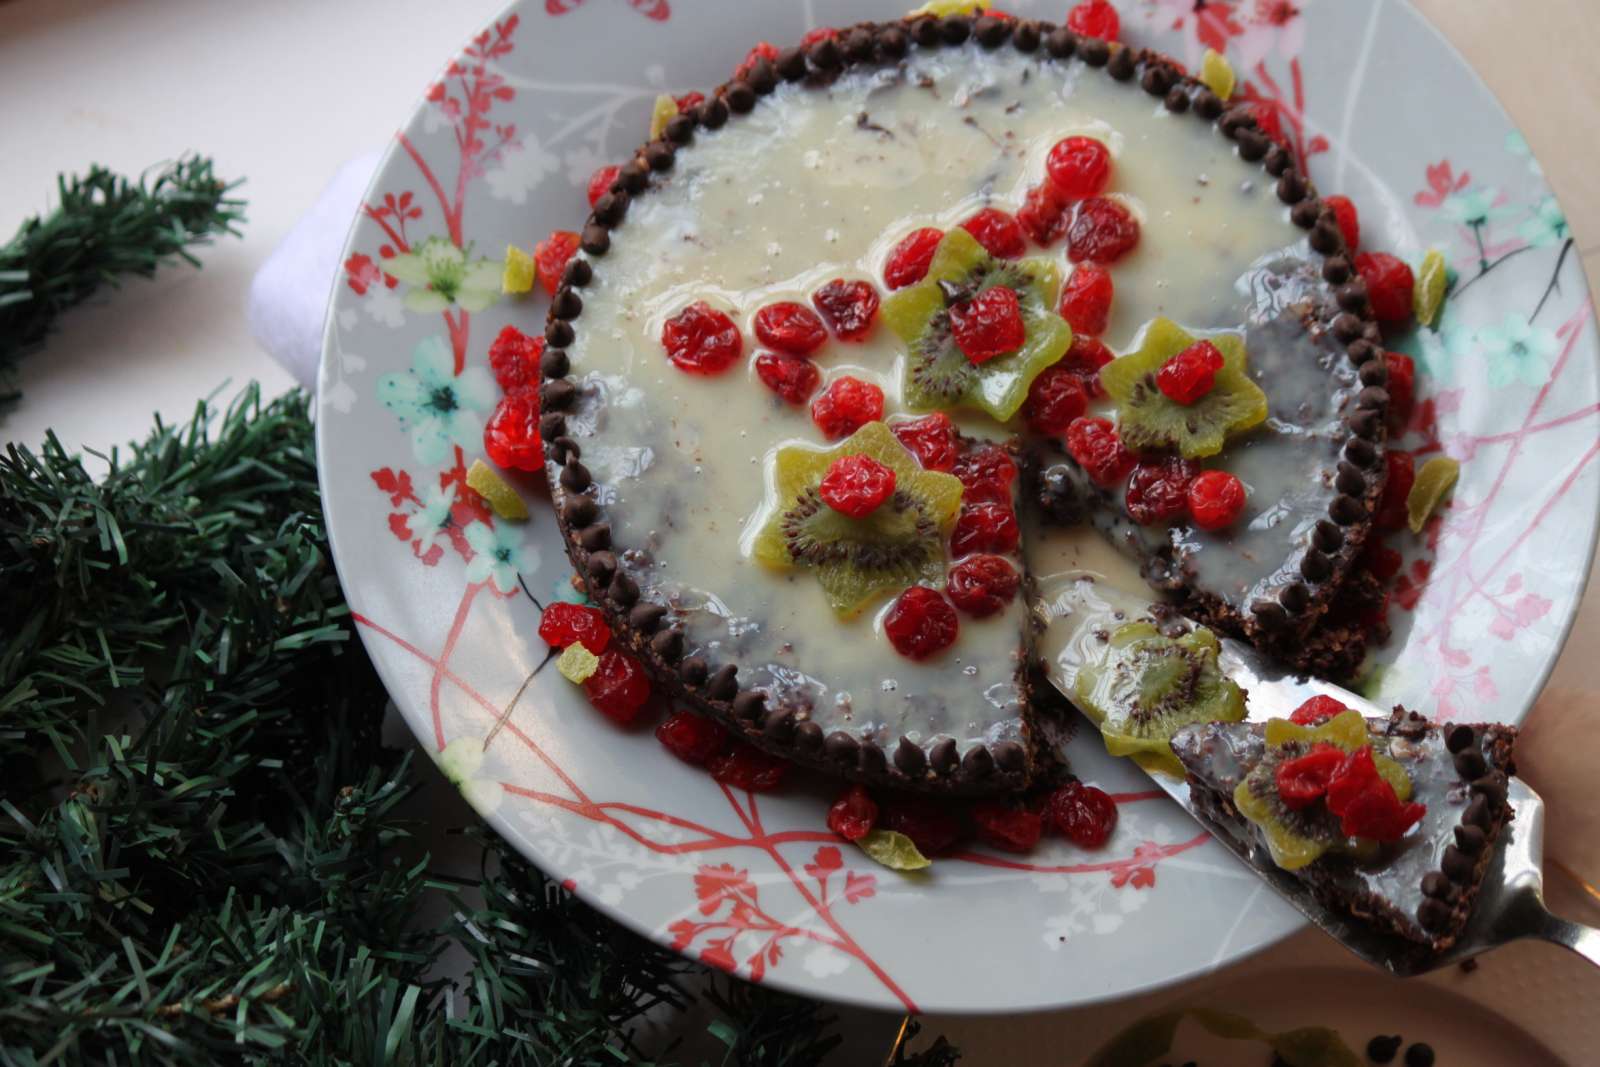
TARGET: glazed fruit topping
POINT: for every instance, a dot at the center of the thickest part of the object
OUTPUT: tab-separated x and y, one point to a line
762	50
1390	285
794	378
562	623
551	256
746	767
1216	500
1084	358
908	261
921	623
988	526
854	814
1316	711
1102	231
931	438
701	340
1082	814
1304	780
511	436
856	486
999	233
618	688
1158	491
931	828
986	474
692	738
1151	421
1365	801
790	327
1095	18
846	405
514	359
1094	443
1086	299
850	306
1013	829
1079	167
1055	399
1402	389
1402	474
982	585
1044	215
1344	211
600	182
1190	374
989	324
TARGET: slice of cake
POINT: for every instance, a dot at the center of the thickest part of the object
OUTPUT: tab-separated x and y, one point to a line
1393	822
806	320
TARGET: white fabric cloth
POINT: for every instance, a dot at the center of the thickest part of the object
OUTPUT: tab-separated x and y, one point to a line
289	294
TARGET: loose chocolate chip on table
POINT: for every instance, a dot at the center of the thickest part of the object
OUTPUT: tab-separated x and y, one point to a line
1419	1055
1383	1049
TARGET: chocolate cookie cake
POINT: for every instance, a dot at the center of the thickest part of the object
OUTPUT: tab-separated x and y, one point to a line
824	330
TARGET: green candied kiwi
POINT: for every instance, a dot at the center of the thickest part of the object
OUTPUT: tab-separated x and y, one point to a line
1148	421
1150	686
937	374
856	561
1434	479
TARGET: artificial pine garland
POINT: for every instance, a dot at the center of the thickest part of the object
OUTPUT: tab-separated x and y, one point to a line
203	853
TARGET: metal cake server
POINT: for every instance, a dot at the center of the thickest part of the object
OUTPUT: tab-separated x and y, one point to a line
1510	905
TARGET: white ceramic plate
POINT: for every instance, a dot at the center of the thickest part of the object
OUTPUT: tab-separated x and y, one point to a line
1384	110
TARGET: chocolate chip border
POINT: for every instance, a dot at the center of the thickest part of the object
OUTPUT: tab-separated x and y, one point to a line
648	628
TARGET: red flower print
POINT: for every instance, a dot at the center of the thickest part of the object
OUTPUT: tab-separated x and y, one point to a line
858	887
1442	181
825	862
1408	587
1276	12
361	273
659	10
1139	870
724	882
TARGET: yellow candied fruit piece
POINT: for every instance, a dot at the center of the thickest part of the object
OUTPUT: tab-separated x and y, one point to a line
1434	479
519	272
1432	279
942	8
577	664
503	500
1217	73
894	850
661	113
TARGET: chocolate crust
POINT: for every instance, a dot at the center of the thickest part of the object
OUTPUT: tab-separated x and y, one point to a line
651	635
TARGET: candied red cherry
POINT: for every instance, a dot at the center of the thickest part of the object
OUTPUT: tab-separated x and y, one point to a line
1044	215
1344	211
1086	299
550	257
701	340
794	378
997	232
790	327
1191	374
514	359
1402	390
1085	356
931	438
600	182
511	436
1381	561
746	767
689	101
921	623
1083	814
1158	491
820	33
931	828
1095	18
1401	475
850	306
618	688
982	585
1056	397
987	526
1216	500
908	261
985	474
1303	781
692	738
854	814
846	405
762	50
1004	827
1103	231
1079	167
989	324
1365	802
1316	711
562	623
856	486
1390	285
1094	443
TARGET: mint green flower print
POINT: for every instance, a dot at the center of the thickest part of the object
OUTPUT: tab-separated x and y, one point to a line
1438	350
437	406
440	274
1474	208
1517	351
500	552
433	518
1517	145
1547	226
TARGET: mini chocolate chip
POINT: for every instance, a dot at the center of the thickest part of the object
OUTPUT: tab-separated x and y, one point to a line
634	175
1350	480
575	477
1347	510
749	704
1367	425
1326	238
1436	885
596	537
596	241
1361	453
679	129
1374	372
608	210
761	77
840	747
791	64
1294	597
1383	1049
1433	915
892	41
660	155
552	424
1241	117
1291	187
724	682
1207	104
871	760
1352	296
601	566
1327	536
562	449
909	758
1362	351
779	724
1177	99
1061	42
1278	160
942	756
566	304
740	97
1009	756
1373	332
1269	614
990	31
955	28
1458	866
554	363
1459	737
1470	763
808	737
558	334
1120	64
579	511
858	45
1094	51
1346	327
1419	1055
1470	839
668	644
978	764
1304	214
1026	36
927	32
1336	270
624	591
1492	788
1253	145
646	617
713	113
825	54
578	273
1314	566
1156	80
1477	814
1372	398
693	672
557	394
